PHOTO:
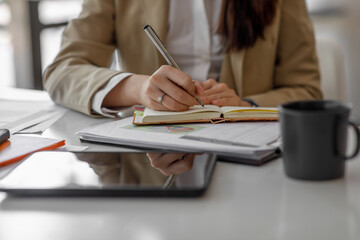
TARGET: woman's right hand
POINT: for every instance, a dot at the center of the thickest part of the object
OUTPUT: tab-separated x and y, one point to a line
172	163
178	88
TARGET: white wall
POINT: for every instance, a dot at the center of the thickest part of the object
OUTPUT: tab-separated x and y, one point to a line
344	28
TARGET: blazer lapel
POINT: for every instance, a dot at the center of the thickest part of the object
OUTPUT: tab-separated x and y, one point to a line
237	64
232	70
259	61
157	14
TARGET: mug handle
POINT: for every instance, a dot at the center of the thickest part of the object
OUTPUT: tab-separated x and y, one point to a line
357	149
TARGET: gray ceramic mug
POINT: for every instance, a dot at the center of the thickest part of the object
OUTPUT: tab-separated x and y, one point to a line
314	136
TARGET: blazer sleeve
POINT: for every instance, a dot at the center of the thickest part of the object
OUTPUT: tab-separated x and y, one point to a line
296	75
82	66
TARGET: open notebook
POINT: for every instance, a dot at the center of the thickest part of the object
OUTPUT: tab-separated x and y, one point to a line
209	113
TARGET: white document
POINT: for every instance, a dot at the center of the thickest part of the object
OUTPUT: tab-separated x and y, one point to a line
11	110
19	115
253	134
168	137
50	118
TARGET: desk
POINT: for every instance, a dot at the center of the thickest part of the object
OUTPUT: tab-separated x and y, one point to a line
242	202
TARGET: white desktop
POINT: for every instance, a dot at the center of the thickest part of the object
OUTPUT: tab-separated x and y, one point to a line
242	202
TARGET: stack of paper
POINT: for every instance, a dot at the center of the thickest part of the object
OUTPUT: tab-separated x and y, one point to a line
28	117
243	140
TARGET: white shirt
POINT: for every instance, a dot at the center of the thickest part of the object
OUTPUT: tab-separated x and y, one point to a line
192	41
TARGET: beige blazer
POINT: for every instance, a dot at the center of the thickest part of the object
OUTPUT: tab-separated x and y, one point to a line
282	67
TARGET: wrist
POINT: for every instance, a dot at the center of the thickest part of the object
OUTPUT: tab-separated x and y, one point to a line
125	93
135	85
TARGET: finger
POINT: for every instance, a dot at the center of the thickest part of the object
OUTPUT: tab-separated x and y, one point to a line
209	83
178	77
154	105
173	105
225	102
177	93
218	88
153	92
189	160
183	164
244	104
205	100
226	94
153	156
164	161
199	88
170	88
220	102
166	105
173	156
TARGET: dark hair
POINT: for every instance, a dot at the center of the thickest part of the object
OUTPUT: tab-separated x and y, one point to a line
242	22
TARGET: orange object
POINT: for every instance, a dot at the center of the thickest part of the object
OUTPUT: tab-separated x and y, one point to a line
4	145
20	147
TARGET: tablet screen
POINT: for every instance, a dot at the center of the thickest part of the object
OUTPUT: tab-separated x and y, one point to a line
56	173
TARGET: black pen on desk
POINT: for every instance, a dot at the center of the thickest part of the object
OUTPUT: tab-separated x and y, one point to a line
164	52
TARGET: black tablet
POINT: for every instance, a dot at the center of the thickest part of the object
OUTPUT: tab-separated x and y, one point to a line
152	174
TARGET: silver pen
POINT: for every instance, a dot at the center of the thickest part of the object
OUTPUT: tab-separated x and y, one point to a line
164	52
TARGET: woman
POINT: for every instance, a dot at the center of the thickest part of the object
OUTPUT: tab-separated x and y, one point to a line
231	52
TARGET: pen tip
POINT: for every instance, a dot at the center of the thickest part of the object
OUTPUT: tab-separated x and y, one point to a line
199	101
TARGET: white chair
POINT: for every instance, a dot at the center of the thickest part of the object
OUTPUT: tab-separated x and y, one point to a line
332	70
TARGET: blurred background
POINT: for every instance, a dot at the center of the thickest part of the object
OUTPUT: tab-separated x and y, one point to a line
30	33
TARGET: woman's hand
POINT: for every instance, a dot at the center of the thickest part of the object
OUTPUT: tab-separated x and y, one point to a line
220	94
171	163
175	88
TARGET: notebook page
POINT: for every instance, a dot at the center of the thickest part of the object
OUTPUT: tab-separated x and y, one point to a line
193	109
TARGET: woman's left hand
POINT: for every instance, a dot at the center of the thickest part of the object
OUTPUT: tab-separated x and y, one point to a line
220	94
